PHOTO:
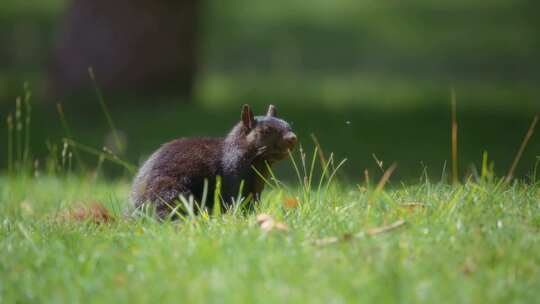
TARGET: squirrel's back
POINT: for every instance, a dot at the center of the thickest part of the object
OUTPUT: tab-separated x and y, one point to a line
178	167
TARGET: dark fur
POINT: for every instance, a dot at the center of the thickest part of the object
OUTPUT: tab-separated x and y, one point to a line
180	167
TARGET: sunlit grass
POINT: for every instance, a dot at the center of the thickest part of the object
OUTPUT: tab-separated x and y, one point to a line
457	244
334	239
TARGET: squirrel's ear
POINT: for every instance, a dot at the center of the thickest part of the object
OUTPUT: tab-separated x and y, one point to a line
271	111
247	117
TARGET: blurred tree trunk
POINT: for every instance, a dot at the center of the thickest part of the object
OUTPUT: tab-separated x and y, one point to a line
138	46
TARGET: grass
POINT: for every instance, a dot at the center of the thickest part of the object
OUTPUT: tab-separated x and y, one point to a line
370	81
469	243
320	240
335	238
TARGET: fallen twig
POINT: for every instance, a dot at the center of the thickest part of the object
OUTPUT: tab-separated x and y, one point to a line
383	229
359	235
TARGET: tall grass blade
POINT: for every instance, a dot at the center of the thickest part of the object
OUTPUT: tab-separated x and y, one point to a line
324	173
313	158
272	175
321	152
485	169
216	211
334	173
522	147
109	156
378	162
28	115
443	173
18	132
204	193
119	146
100	161
67	131
455	173
366	178
300	180
189	206
385	177
9	122
535	170
303	162
240	191
262	177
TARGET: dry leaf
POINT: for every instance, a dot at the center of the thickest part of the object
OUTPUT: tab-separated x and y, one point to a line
96	213
469	266
290	202
412	206
268	223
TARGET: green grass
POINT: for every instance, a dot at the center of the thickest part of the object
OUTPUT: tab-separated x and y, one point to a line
366	78
471	243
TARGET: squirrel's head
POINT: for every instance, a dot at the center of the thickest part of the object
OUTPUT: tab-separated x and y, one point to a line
271	137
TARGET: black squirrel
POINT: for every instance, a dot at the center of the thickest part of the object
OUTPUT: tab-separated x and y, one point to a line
180	167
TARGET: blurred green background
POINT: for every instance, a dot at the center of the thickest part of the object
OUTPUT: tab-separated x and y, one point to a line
366	77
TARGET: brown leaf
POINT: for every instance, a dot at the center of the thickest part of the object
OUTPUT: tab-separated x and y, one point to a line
469	266
290	202
268	223
347	237
412	206
96	213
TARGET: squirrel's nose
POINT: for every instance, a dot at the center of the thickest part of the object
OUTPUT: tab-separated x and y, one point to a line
290	139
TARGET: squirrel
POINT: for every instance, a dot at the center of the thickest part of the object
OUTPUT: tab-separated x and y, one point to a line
183	166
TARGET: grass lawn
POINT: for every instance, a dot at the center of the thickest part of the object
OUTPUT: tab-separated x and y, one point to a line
471	243
370	80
